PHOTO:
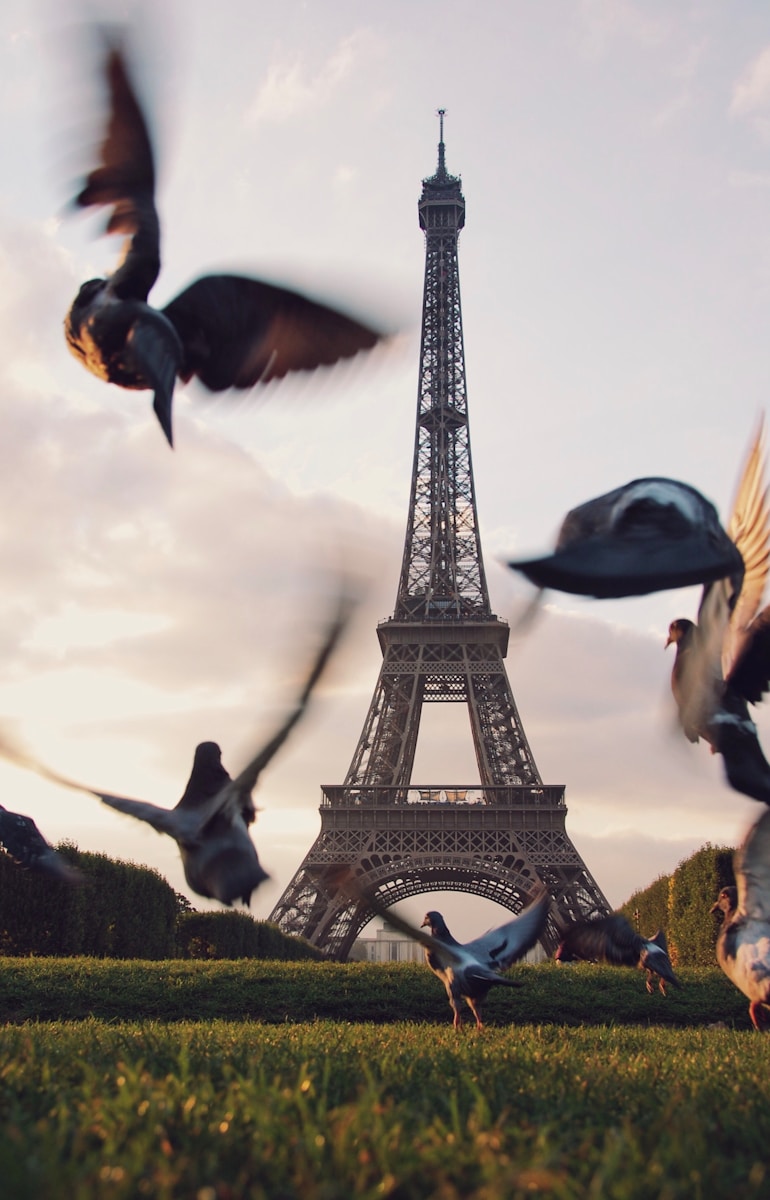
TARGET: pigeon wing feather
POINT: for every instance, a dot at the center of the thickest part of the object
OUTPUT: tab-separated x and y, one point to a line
125	180
501	947
238	332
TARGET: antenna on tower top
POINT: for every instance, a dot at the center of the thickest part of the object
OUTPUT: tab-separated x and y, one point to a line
441	163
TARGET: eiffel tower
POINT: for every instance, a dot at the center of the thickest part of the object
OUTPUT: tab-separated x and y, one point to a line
497	839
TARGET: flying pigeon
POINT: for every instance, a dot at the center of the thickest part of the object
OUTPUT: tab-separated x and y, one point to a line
647	536
613	941
743	943
722	663
210	824
468	971
230	331
25	844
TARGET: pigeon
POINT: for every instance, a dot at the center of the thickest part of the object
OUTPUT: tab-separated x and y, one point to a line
468	971
743	942
210	823
25	844
722	663
647	536
229	331
613	941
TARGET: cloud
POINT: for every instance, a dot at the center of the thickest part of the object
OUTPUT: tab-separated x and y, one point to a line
292	88
607	21
751	92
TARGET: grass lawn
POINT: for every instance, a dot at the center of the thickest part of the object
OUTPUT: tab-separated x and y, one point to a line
218	1109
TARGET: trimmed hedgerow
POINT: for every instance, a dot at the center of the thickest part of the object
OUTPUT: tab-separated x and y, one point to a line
121	911
695	885
647	909
235	935
680	903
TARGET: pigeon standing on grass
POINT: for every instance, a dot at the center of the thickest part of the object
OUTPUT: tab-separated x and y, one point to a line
230	331
722	663
24	843
743	943
469	970
612	940
210	824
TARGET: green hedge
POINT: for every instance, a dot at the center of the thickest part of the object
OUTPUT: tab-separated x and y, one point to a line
121	911
236	935
680	903
125	911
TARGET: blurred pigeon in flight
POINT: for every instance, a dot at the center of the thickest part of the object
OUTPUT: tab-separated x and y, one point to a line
743	943
612	940
469	970
647	536
230	331
723	662
25	844
210	824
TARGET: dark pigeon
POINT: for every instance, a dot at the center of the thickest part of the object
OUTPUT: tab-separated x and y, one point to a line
613	941
229	331
210	824
722	663
647	536
24	843
469	971
743	943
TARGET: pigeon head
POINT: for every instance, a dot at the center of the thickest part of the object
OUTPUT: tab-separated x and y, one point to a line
207	777
436	923
679	631
726	902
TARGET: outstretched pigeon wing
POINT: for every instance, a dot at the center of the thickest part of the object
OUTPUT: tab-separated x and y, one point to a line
125	178
237	332
501	947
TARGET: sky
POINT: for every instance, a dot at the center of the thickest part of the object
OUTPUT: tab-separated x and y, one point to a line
615	279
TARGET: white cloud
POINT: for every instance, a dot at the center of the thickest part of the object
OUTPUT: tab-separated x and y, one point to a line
292	87
607	21
751	92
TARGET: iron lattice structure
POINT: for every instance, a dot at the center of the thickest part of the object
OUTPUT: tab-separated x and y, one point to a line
498	839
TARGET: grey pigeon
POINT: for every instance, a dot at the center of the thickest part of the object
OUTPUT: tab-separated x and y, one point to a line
647	536
469	970
722	663
230	331
613	941
25	844
743	943
210	824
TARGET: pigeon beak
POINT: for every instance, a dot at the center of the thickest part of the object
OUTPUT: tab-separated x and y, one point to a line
162	407
424	923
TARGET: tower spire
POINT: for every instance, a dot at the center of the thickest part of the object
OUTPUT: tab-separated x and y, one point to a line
441	160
